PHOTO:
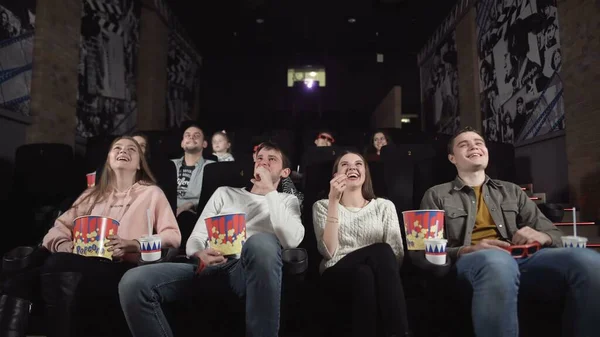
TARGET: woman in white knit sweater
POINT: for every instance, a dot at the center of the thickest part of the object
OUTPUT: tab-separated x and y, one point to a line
359	238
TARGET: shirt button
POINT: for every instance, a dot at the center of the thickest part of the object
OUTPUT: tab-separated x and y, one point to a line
500	226
493	209
473	201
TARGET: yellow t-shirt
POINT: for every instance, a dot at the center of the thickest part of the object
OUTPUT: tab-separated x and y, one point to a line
485	228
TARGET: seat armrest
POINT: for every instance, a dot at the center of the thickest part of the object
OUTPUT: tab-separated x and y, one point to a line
418	259
295	261
168	255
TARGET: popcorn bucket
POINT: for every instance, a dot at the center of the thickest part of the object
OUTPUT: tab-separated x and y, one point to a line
227	233
422	224
90	233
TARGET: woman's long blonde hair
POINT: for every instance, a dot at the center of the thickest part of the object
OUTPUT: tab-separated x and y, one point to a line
104	187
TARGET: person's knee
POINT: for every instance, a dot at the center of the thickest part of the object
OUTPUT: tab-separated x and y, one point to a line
57	262
496	268
363	276
583	261
262	249
382	251
134	283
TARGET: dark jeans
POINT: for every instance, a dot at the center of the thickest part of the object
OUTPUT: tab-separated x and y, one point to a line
497	281
255	276
370	279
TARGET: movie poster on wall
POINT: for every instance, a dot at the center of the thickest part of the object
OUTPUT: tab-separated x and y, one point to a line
17	28
439	88
182	74
107	102
519	61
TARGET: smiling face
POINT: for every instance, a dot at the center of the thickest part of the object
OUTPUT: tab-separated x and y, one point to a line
353	166
124	155
193	140
379	140
469	153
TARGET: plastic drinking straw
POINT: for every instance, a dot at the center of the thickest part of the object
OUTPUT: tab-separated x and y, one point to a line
149	223
574	223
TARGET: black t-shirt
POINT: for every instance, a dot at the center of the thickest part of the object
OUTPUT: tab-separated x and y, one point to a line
183	178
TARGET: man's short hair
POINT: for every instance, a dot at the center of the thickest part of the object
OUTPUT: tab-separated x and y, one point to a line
520	100
192	125
458	133
285	161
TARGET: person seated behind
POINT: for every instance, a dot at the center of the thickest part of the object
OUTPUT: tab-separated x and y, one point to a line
190	172
359	237
324	138
222	146
379	140
125	193
272	223
485	216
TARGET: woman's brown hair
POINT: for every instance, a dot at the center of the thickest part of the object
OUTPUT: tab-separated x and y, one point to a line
367	188
99	192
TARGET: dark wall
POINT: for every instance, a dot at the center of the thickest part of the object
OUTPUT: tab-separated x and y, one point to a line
12	129
544	163
249	87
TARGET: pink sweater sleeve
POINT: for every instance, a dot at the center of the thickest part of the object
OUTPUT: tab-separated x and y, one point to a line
166	223
60	237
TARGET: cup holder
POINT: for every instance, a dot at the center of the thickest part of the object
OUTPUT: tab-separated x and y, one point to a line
295	260
17	259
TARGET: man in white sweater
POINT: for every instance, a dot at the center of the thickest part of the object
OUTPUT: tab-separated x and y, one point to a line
272	223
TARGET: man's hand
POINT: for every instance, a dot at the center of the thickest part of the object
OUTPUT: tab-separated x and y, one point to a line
527	235
121	246
263	180
185	207
486	244
210	257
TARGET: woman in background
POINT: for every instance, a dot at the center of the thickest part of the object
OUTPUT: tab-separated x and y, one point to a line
359	237
378	141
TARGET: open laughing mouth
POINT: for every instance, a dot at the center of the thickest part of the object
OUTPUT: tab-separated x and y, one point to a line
123	158
475	155
353	175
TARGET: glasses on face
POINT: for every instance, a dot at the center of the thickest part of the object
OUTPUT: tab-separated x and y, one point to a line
326	137
522	251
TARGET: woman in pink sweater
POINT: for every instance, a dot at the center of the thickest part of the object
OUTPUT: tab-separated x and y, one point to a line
70	282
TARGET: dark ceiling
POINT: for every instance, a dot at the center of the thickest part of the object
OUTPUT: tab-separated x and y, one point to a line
245	62
312	26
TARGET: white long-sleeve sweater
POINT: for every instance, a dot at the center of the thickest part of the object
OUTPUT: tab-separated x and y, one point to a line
277	213
376	222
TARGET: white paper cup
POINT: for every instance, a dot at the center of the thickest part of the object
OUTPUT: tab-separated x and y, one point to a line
151	248
574	241
435	250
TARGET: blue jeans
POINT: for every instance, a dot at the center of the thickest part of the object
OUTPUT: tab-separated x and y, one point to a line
497	279
256	275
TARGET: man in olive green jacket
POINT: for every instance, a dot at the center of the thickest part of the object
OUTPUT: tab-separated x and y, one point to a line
483	219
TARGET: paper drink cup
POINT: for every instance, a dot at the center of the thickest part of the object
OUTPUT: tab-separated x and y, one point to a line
90	234
435	250
227	233
91	179
422	224
151	248
574	241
